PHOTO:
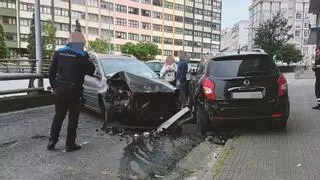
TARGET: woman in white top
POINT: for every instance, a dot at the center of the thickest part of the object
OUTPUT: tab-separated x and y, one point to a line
168	71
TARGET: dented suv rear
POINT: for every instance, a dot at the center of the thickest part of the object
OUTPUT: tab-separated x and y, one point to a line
238	87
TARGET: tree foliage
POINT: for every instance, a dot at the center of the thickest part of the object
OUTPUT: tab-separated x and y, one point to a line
4	50
289	53
49	42
143	50
31	48
100	46
273	34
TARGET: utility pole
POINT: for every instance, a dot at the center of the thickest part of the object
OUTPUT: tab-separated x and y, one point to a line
70	23
162	40
38	41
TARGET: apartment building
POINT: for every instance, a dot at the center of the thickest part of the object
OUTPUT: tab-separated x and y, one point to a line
296	11
236	37
314	37
190	25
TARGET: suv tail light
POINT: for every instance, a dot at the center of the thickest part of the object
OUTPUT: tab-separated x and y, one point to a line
282	86
208	89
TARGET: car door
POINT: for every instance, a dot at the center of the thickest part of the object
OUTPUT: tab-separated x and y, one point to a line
91	87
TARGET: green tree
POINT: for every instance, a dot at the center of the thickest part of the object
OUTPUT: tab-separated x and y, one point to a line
100	46
143	51
289	53
31	48
78	26
272	34
4	50
49	42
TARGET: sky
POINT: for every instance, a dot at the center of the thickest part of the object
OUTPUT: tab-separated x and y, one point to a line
234	11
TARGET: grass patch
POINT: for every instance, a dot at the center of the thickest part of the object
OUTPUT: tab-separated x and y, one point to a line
223	156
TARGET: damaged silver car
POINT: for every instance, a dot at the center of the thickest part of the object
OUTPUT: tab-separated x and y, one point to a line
125	89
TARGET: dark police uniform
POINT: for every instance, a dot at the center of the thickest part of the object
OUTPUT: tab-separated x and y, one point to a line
66	76
317	85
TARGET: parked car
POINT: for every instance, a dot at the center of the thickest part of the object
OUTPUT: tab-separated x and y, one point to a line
155	65
236	87
125	89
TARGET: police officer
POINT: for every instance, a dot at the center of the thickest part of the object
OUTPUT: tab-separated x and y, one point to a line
66	75
316	69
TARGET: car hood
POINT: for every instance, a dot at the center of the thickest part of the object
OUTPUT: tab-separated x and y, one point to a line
139	84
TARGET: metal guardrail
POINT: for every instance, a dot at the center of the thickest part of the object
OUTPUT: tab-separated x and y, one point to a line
16	69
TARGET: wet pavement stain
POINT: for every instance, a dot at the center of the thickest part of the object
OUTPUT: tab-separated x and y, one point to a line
8	144
39	137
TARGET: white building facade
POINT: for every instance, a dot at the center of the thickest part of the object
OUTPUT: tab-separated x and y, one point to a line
297	13
236	37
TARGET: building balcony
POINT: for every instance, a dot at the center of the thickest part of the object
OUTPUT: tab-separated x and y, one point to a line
7	12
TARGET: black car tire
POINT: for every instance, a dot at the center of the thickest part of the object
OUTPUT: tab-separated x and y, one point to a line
202	121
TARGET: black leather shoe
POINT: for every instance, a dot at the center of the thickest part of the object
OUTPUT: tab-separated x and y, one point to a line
73	148
316	107
51	145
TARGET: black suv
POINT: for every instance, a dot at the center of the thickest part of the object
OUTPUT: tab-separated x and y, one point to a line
236	87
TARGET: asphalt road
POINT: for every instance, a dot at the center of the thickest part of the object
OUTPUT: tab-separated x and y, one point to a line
23	154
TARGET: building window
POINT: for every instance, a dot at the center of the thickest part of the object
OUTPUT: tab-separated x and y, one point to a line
216	5
198	11
26	7
145	12
79	2
121	22
168	4
199	1
25	22
198	33
11	4
107	19
145	25
178	30
145	38
306	33
8	20
198	22
216	16
206	45
206	35
305	51
168	29
208	24
24	37
62	26
167	41
132	10
157	2
178	18
93	17
156	39
216	26
188	20
178	42
62	12
297	33
156	15
168	17
179	7
93	3
133	23
120	8
121	35
188	32
61	41
298	15
134	37
146	1
106	33
93	31
189	9
297	41
156	27
11	36
208	2
167	53
215	37
305	41
45	9
77	14
106	5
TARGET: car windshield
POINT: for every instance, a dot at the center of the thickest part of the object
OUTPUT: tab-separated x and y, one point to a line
155	66
242	66
112	66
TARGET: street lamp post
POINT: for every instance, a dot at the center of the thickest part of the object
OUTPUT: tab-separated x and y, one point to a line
38	41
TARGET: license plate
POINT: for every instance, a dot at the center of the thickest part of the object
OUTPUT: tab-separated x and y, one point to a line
247	95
